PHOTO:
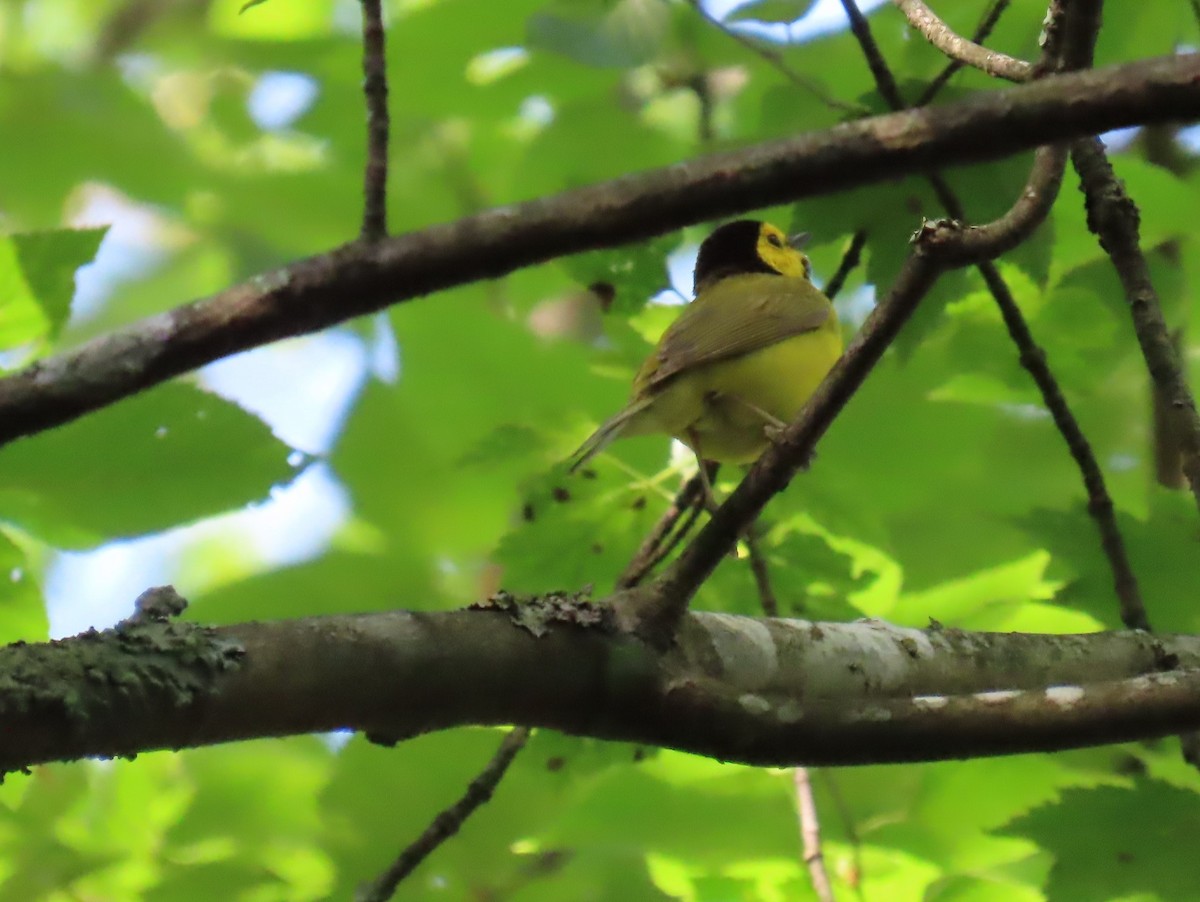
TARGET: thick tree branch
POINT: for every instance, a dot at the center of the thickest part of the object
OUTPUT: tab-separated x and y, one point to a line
360	278
779	692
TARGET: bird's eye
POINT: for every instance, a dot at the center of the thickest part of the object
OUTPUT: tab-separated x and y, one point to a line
774	240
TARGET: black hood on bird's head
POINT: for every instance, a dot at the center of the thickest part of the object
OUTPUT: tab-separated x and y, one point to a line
732	248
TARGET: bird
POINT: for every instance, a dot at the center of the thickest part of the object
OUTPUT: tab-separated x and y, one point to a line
740	361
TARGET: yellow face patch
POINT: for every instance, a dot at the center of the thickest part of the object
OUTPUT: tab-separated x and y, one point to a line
774	250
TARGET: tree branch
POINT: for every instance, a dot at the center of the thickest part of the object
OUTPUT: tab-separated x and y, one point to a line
810	835
333	287
480	789
989	21
885	82
664	537
375	89
1072	36
1113	217
850	259
447	823
778	692
940	35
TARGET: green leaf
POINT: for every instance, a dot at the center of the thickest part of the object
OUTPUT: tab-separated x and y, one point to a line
159	459
498	845
22	320
1162	553
636	273
384	578
400	457
292	20
22	610
601	33
49	261
131	158
256	793
564	154
1105	846
772	10
576	530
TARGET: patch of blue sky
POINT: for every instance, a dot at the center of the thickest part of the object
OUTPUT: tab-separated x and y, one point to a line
280	98
301	387
132	246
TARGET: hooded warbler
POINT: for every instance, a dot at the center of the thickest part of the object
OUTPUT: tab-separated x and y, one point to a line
742	358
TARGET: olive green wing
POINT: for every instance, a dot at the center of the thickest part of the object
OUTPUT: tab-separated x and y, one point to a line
737	315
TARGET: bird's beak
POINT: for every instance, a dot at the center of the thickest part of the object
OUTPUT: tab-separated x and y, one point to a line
799	240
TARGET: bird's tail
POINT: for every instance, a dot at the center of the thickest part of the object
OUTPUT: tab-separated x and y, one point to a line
624	422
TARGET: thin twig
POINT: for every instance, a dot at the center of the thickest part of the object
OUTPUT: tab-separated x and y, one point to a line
850	259
941	36
1168	458
810	835
685	529
762	575
1113	217
375	90
1100	505
848	827
1070	42
774	58
885	82
661	541
989	21
701	86
448	822
806	805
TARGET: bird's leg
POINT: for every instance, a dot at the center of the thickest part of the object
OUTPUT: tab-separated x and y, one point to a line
772	426
710	500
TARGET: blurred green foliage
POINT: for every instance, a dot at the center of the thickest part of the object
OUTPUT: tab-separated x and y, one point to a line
942	491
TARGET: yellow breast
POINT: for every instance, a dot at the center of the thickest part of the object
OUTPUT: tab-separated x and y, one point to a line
715	409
